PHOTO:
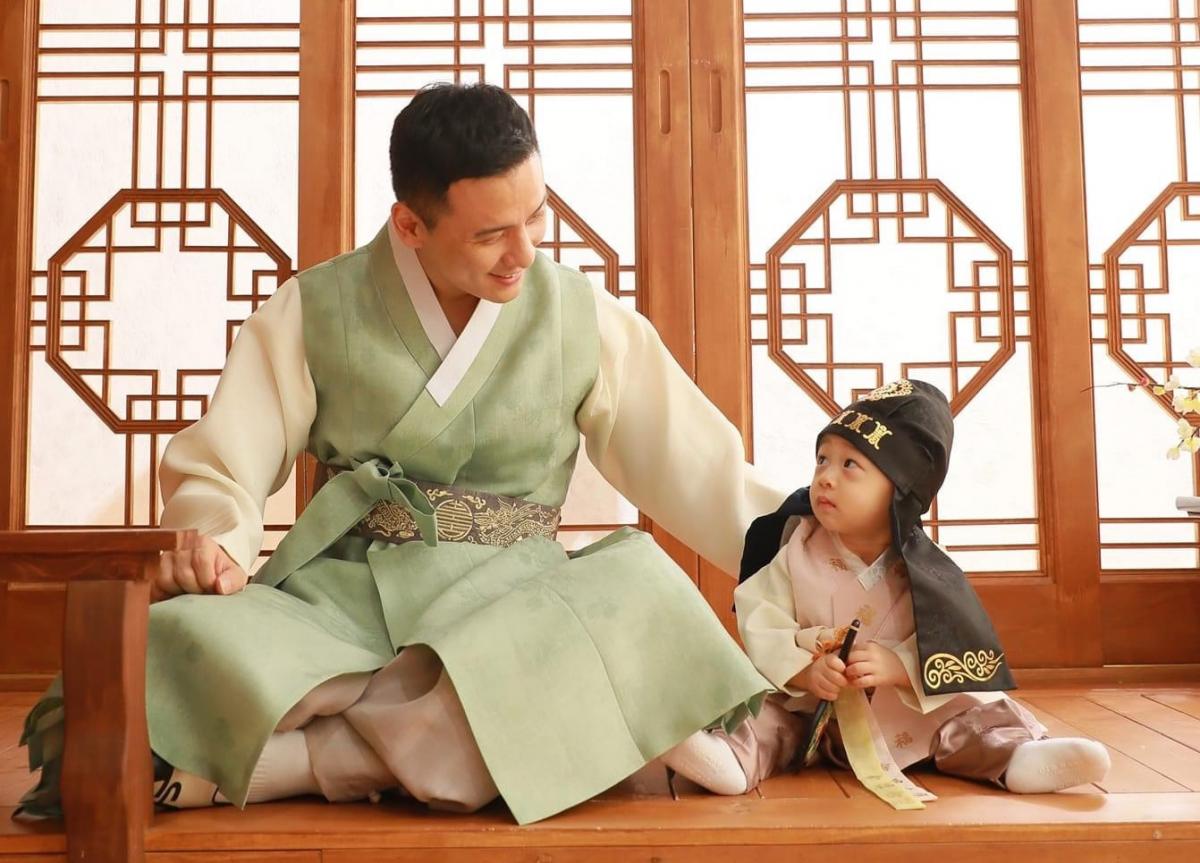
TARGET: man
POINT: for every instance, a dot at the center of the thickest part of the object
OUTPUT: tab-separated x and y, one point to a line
419	628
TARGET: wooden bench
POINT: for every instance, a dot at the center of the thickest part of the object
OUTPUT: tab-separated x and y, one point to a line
107	775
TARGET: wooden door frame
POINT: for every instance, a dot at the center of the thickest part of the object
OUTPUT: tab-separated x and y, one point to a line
18	35
662	93
23	613
326	155
1069	614
692	260
720	291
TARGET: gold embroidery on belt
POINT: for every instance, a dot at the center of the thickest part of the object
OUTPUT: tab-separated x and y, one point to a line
464	516
978	665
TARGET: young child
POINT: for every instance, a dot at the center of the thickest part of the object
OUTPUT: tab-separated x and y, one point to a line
851	546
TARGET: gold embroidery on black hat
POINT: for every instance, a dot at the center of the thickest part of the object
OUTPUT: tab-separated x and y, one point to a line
890	391
858	422
881	431
873	437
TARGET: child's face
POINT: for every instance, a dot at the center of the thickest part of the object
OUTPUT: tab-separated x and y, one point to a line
850	495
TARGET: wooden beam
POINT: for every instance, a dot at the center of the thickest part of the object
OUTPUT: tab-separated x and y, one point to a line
720	231
18	22
326	156
663	195
1062	348
719	211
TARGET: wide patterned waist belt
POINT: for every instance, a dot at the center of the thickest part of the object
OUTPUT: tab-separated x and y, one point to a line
462	515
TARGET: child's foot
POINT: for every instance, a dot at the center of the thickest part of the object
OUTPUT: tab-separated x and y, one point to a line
1041	766
709	762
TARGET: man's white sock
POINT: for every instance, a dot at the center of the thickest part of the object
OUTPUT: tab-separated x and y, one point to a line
1041	766
283	769
709	762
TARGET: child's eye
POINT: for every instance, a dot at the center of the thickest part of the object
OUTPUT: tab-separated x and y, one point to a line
821	459
850	463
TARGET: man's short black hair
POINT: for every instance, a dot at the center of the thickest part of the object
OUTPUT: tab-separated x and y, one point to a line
451	132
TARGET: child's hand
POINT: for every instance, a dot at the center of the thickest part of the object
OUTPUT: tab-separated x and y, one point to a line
872	665
825	677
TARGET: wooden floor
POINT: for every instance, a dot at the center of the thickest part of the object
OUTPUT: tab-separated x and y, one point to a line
1148	808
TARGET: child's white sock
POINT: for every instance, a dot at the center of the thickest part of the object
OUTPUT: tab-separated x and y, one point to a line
283	769
1041	766
709	762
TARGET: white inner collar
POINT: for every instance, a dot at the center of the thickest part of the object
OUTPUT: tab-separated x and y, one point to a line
457	352
881	562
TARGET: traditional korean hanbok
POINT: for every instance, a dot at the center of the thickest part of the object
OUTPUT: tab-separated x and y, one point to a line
429	552
788	615
799	582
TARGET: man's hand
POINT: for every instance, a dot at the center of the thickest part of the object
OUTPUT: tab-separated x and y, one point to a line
872	665
203	569
824	678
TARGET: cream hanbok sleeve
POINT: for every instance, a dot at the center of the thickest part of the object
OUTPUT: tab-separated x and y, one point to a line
652	433
217	473
776	643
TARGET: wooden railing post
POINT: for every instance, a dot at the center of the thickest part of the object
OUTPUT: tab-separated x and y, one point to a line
106	776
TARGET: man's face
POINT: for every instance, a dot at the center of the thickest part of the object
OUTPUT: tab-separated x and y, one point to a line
850	495
483	237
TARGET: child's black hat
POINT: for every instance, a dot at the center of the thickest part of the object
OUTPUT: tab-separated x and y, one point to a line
906	430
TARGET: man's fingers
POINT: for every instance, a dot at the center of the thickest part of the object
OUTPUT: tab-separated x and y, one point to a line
231	578
203	569
204	561
163	586
185	575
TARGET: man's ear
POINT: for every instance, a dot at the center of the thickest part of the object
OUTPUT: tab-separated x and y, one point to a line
409	227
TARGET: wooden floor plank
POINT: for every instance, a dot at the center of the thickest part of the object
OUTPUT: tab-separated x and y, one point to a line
1165	720
709	820
945	786
650	781
992	852
1184	702
683	788
1173	760
822	810
1126	776
851	787
22	701
809	782
664	823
